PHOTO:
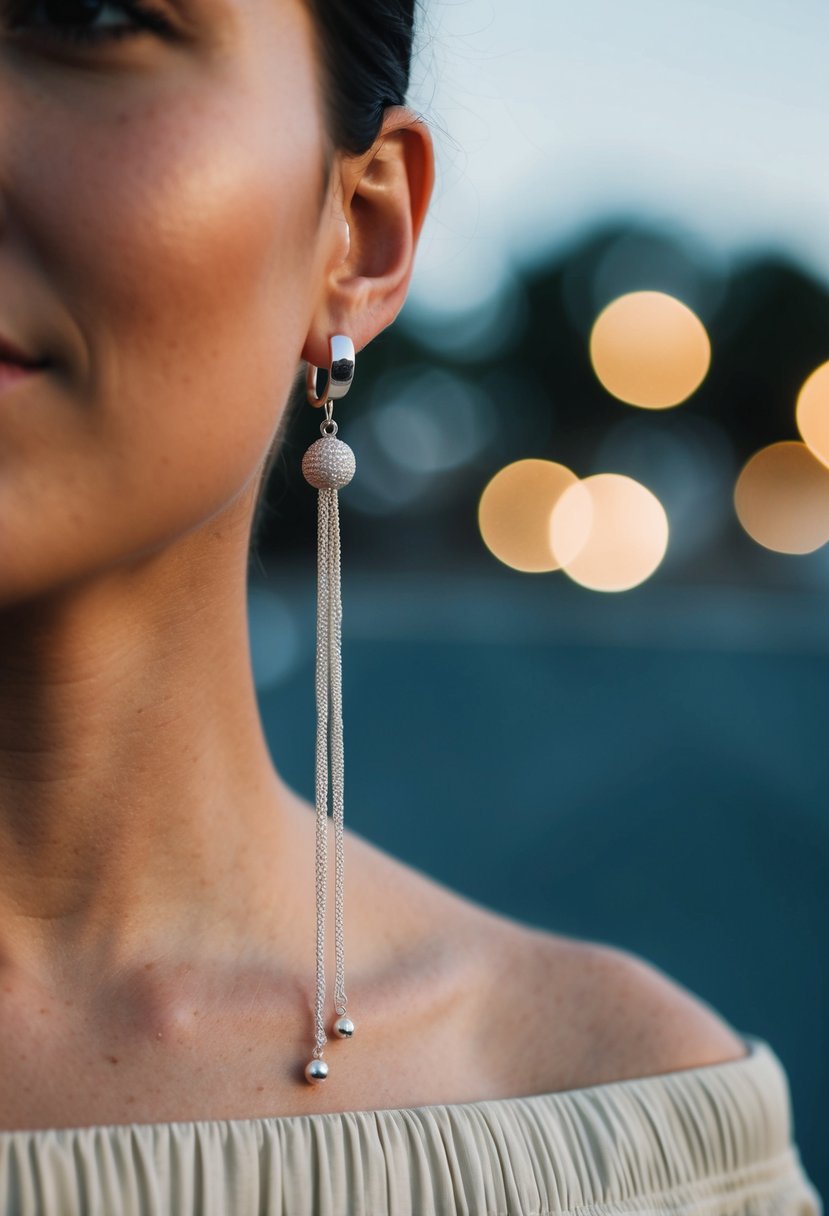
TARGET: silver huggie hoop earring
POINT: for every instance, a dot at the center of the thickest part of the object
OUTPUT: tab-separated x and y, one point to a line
328	465
340	373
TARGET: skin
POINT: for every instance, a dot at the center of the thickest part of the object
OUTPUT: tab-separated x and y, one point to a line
177	249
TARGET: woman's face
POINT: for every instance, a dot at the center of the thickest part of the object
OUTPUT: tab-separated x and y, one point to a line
163	242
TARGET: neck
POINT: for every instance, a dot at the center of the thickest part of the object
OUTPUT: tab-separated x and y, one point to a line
137	795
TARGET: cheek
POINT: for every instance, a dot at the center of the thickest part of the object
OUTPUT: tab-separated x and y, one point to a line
180	236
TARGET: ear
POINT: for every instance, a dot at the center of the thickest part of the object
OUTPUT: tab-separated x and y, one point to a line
382	197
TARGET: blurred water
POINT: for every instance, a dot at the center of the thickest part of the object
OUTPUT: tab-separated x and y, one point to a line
648	769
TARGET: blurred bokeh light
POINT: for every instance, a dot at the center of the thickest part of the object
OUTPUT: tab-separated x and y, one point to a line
608	532
812	412
782	498
514	513
649	349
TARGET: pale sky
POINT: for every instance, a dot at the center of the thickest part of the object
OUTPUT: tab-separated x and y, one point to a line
711	117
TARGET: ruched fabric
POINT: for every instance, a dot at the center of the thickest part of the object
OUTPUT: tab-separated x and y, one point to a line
713	1141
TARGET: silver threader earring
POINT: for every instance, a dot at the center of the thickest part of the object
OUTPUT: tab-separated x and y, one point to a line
328	465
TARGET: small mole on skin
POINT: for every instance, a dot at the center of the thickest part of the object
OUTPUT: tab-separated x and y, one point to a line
259	1088
149	966
112	1059
44	1011
130	1098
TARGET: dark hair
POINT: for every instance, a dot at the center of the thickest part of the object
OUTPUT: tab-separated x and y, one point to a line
365	51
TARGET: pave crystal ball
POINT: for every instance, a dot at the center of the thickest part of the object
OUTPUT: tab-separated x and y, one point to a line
329	464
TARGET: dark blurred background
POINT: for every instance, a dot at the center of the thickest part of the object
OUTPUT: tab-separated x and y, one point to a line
601	713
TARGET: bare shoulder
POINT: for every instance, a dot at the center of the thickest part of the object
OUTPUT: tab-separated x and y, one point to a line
649	1022
536	1011
576	1012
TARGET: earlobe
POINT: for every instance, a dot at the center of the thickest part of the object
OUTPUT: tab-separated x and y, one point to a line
385	197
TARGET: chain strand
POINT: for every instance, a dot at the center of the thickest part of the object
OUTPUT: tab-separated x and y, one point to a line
329	684
322	679
337	764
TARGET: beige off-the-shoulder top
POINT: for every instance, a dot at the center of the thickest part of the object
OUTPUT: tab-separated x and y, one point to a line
716	1140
